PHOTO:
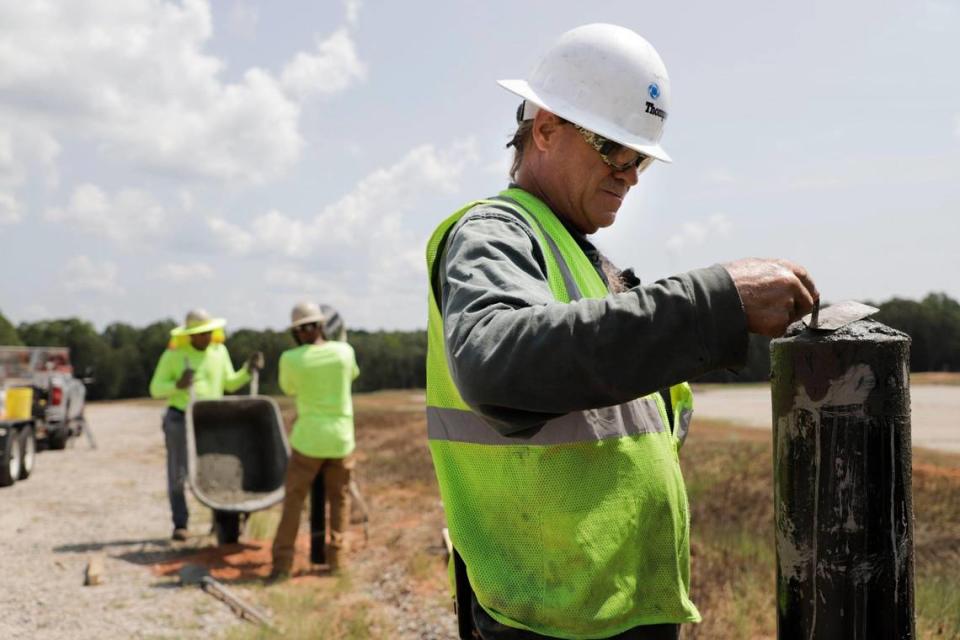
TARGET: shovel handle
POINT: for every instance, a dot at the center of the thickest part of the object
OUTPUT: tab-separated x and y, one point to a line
186	366
254	382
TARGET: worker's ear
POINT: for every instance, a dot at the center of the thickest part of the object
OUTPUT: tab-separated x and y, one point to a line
546	126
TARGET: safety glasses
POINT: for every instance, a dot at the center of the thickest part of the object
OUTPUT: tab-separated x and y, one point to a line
615	155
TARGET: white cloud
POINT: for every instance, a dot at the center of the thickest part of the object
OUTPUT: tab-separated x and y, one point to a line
368	220
84	275
136	80
229	237
27	150
129	215
283	234
386	195
295	279
6	153
10	210
696	234
364	251
184	272
331	69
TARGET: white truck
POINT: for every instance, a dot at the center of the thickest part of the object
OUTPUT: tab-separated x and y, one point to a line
56	413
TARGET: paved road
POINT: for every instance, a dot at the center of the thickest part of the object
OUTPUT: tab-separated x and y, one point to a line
935	411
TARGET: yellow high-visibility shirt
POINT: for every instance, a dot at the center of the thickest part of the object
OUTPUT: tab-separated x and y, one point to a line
320	377
213	374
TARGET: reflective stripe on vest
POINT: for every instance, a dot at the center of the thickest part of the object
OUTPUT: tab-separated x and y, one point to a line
578	529
627	419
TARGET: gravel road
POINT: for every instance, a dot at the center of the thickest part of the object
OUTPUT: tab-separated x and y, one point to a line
111	501
934	410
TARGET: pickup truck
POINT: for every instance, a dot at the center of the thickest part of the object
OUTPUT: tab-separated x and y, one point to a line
56	414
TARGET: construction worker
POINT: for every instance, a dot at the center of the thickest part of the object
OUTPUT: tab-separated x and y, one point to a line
319	374
556	401
197	358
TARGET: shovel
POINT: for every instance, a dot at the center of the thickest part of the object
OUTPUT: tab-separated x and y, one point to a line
837	315
191	574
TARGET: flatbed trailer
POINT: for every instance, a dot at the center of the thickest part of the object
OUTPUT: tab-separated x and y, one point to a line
56	413
59	397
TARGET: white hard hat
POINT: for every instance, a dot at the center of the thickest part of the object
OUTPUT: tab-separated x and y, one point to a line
305	313
324	315
607	79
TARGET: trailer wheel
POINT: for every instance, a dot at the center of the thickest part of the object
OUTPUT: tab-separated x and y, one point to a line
28	452
227	527
9	458
57	439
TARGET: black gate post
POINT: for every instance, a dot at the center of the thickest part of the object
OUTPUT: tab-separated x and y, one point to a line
842	499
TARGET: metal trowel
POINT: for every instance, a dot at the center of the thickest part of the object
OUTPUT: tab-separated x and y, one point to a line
837	315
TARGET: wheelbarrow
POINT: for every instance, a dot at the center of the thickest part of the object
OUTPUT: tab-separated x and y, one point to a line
237	453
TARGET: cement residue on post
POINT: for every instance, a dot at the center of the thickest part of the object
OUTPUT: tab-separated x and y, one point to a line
855	331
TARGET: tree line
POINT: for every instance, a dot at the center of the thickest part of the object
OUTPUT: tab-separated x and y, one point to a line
121	358
932	323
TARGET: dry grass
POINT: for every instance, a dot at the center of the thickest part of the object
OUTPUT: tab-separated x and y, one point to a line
729	473
397	583
397	587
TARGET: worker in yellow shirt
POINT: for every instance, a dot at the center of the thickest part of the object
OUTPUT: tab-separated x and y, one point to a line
195	358
319	374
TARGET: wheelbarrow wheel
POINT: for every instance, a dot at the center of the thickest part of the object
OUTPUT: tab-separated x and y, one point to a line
226	526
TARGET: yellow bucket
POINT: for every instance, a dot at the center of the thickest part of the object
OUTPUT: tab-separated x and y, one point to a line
19	403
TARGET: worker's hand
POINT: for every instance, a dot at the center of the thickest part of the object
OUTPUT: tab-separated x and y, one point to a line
775	293
186	379
255	361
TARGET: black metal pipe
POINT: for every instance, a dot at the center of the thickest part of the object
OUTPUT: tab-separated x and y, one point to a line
318	521
842	484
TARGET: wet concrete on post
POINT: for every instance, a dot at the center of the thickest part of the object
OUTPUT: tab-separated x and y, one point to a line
842	483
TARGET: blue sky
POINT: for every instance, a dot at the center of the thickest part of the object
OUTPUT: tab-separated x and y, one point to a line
241	156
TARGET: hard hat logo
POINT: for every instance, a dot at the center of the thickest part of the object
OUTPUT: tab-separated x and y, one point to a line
660	113
653	90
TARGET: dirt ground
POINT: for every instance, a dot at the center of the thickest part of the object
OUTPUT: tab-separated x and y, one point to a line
111	502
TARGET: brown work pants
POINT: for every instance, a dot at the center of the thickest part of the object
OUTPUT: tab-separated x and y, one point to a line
301	472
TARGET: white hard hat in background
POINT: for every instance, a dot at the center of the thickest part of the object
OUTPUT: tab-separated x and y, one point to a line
305	313
607	79
325	315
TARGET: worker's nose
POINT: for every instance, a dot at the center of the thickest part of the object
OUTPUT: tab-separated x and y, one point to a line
630	175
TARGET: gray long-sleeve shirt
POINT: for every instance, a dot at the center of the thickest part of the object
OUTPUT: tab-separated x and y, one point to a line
520	358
